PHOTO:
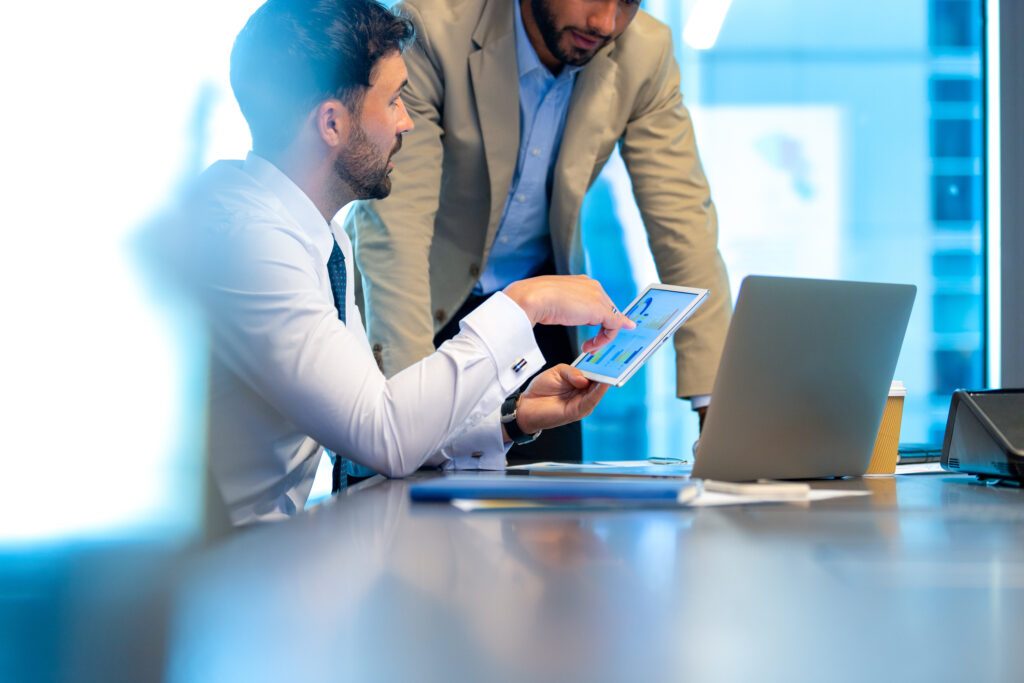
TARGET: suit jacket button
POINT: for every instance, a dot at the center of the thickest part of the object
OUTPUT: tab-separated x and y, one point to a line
439	315
474	270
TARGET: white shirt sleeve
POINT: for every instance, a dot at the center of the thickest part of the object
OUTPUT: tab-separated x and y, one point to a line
273	325
478	447
479	444
700	401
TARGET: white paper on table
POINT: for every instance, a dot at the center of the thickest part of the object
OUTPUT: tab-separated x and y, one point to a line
641	463
715	499
472	505
619	464
556	466
921	468
706	499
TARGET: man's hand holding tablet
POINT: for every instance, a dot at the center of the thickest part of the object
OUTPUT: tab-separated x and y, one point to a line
657	312
562	394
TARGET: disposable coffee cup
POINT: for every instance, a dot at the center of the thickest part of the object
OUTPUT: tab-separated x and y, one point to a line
886	453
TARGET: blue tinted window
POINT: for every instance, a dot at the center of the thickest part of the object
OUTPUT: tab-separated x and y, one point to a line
956	138
955	24
840	140
956	369
954	198
955	312
956	90
955	265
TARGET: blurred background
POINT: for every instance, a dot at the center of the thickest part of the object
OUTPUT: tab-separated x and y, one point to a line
841	140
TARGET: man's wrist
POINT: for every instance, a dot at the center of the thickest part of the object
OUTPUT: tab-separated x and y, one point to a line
518	292
700	401
510	422
699	404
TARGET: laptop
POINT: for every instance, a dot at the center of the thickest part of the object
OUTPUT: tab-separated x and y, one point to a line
803	380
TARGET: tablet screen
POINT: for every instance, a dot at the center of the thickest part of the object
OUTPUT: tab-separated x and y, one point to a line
653	314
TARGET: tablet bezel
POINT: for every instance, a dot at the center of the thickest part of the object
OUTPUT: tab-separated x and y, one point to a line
629	370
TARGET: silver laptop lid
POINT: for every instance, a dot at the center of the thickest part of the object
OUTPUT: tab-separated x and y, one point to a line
804	378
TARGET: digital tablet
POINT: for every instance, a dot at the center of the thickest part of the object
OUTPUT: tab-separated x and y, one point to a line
658	312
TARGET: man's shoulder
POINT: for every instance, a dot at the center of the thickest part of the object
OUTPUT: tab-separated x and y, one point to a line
647	39
227	208
448	15
222	218
225	197
650	28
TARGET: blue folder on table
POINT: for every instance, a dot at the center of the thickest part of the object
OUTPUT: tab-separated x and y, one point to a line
444	489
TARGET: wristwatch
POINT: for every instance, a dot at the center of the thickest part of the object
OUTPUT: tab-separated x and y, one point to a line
508	418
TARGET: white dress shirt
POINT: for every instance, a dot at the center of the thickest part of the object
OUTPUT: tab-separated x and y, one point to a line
288	378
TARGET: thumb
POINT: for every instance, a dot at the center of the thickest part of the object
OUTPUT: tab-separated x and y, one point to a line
591	398
573	376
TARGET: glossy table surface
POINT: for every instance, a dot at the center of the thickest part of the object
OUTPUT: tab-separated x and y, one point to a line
921	580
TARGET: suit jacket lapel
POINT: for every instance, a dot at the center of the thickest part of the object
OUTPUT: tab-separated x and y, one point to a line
495	77
592	99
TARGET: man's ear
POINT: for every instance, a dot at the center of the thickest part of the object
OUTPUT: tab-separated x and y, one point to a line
332	121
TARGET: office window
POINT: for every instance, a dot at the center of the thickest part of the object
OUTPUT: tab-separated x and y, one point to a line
956	138
955	199
956	89
955	265
955	24
841	140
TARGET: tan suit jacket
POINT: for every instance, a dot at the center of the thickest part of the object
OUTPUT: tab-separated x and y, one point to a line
420	252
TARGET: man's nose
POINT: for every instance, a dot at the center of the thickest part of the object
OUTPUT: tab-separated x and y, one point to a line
405	123
602	17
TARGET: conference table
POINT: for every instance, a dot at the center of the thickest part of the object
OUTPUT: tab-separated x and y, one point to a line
921	580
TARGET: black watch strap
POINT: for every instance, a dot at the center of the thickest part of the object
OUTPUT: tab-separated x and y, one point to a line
508	418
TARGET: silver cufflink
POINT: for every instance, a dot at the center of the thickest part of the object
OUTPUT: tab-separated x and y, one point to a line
520	364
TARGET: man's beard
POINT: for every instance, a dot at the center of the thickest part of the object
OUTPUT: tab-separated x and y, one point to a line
551	34
362	169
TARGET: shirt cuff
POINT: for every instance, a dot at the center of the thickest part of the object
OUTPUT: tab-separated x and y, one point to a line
700	401
505	330
479	447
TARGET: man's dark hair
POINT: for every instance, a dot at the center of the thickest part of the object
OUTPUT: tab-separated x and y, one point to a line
293	54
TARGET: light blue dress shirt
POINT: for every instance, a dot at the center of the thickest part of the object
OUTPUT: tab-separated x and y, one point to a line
523	241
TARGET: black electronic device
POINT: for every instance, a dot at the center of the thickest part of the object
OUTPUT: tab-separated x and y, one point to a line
918	453
985	434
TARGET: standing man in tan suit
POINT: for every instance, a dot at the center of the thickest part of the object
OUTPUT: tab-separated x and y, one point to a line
518	104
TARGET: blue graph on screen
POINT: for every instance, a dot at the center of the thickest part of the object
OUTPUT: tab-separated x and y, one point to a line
652	314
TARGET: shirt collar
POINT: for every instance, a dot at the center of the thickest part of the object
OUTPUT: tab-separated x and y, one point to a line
294	200
526	55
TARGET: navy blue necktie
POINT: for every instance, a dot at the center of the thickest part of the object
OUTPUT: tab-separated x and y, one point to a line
336	271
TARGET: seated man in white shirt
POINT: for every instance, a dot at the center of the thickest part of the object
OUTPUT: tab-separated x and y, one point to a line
292	373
